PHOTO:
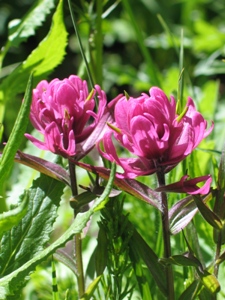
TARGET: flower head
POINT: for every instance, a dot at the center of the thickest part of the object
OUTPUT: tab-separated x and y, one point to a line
63	111
149	127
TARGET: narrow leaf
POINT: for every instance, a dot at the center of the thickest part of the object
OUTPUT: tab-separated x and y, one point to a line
183	211
43	166
17	134
138	245
101	252
91	288
131	186
143	282
187	259
191	291
208	214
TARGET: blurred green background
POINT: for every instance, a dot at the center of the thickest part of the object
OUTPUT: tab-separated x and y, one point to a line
145	43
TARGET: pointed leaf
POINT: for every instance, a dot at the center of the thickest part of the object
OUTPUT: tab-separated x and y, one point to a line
187	259
139	247
209	281
91	288
11	283
183	211
17	134
207	213
101	252
19	31
29	237
41	165
131	186
42	60
143	282
191	291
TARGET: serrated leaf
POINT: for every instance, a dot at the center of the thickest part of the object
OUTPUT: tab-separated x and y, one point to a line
12	217
20	30
42	60
10	283
28	238
17	134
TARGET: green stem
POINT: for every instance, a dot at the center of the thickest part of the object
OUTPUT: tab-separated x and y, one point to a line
98	42
80	45
77	238
166	236
151	67
218	250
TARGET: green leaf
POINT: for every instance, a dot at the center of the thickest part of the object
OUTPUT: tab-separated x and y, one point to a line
20	30
208	214
191	291
209	281
139	247
29	237
12	217
187	259
11	283
181	214
17	134
91	288
42	60
142	279
183	211
103	199
101	253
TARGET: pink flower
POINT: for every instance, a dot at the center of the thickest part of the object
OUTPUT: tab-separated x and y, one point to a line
150	128
63	111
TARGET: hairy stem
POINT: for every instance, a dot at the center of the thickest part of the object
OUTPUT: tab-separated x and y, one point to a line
166	236
77	238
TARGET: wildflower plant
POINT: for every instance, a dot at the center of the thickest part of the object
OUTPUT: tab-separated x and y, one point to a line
132	227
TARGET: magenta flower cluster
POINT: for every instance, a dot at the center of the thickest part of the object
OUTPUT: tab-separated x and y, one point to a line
148	126
63	111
